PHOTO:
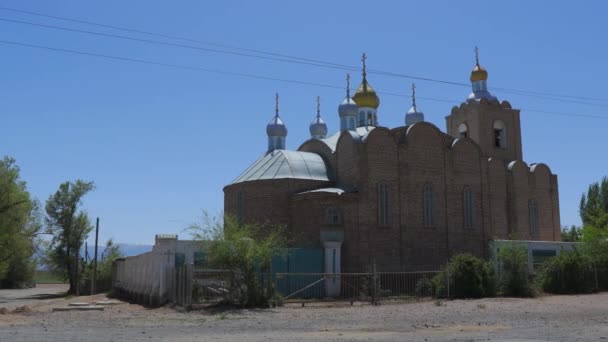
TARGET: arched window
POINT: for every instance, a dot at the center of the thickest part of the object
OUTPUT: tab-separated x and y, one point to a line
383	199
534	219
352	123
500	134
469	208
370	118
429	206
463	130
361	118
332	216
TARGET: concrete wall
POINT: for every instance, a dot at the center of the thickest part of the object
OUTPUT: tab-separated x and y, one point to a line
142	278
149	278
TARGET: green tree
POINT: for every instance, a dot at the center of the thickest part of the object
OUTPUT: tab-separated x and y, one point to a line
572	234
246	249
513	272
69	226
594	214
19	227
594	204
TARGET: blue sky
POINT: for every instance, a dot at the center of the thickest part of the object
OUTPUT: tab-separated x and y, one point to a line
161	142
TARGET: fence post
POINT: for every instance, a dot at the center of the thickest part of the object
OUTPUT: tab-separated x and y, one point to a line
527	271
189	280
178	284
375	283
597	285
447	280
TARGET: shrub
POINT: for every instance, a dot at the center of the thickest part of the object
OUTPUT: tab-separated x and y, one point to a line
469	277
569	272
512	274
424	287
247	250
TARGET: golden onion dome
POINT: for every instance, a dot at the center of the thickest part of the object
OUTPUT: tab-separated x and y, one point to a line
365	96
479	73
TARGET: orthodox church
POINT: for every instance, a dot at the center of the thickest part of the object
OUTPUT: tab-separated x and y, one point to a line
409	195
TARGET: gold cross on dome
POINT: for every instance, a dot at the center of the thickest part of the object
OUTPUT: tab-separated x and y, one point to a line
476	55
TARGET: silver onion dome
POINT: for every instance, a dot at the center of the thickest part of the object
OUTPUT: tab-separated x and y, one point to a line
413	115
318	128
348	107
276	127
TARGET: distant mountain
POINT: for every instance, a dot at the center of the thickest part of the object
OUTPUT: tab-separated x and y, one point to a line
126	250
130	250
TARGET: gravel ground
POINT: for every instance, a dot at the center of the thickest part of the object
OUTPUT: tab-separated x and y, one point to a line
550	318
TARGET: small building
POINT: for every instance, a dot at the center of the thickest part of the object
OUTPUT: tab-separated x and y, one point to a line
538	251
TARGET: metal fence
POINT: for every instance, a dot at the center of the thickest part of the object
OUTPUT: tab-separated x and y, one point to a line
181	291
211	286
194	286
361	286
570	279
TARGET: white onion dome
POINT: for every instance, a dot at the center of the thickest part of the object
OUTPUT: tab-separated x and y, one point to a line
348	107
413	115
276	127
318	127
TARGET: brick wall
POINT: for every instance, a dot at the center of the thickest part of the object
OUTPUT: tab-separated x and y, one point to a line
407	159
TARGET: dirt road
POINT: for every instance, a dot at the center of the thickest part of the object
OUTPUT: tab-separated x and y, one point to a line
552	318
14	298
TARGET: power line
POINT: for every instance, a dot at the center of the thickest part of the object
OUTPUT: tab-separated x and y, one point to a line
195	68
169	36
166	43
248	75
274	59
294	59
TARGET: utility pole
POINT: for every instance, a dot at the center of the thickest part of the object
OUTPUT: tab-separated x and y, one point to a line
94	280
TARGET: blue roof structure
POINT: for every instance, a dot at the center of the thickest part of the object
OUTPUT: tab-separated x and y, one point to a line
281	164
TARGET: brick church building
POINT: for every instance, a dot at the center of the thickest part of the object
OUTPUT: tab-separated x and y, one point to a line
409	195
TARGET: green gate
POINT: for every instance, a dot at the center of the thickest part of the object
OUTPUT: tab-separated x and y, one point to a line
308	264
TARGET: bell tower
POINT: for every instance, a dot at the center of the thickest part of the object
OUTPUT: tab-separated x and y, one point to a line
494	126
